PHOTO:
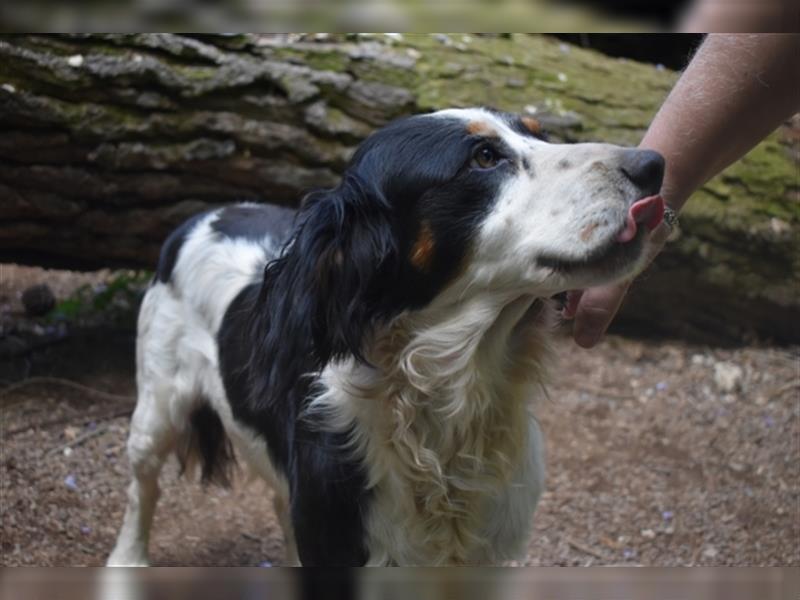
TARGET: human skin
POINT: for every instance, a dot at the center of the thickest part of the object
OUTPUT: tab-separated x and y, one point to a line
734	92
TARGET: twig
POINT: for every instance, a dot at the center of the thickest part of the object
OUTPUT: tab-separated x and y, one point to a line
77	441
120	412
63	382
778	391
585	549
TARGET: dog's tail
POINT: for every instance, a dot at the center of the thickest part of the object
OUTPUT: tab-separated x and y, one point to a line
205	444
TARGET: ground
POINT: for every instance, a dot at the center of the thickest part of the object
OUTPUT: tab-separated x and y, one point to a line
659	453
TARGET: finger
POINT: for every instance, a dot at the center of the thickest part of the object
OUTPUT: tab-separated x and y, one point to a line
596	309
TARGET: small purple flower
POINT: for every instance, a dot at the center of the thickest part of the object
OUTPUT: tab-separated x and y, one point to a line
667	515
661	386
769	421
86	530
71	482
628	553
265	565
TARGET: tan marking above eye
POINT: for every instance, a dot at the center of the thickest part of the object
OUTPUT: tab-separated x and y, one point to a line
481	128
423	249
532	125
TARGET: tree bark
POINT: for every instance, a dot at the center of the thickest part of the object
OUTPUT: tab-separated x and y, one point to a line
108	142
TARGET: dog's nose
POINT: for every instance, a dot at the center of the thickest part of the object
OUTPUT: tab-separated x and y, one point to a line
645	168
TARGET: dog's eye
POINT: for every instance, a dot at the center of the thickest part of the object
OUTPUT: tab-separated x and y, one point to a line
485	157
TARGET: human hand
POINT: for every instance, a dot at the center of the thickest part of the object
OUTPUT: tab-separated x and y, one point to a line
593	309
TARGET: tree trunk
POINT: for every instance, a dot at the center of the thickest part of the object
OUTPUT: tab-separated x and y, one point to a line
110	141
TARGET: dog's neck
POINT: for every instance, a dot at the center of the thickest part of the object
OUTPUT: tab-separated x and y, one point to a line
442	409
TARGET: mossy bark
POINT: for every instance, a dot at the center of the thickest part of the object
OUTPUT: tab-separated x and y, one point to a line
109	141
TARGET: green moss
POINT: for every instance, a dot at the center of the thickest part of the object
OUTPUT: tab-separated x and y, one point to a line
196	73
322	58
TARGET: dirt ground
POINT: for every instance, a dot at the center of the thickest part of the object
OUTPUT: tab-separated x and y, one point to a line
659	453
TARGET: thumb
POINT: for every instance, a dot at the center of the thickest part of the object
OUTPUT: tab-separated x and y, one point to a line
595	311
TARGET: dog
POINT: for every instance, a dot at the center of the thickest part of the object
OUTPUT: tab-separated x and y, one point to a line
376	356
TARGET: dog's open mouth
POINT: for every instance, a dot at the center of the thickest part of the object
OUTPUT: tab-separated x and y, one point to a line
644	215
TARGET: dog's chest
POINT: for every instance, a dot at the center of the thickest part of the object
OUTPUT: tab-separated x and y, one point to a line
477	518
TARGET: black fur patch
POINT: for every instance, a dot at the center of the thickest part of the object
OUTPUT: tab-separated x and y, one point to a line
328	584
172	246
206	439
254	222
328	487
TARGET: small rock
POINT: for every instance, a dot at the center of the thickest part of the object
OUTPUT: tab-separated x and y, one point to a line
8	87
779	227
38	300
76	60
710	552
728	376
70	432
648	534
736	467
562	77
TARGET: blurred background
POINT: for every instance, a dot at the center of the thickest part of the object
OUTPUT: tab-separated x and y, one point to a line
673	443
401	15
401	584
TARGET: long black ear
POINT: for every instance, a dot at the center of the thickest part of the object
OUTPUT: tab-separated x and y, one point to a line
319	300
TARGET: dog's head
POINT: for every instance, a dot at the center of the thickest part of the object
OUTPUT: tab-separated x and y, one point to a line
436	207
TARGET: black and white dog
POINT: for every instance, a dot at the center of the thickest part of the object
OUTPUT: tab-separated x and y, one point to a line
375	357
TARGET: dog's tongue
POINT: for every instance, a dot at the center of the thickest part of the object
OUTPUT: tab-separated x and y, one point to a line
647	211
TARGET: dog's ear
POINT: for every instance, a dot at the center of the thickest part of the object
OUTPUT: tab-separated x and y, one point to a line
320	298
344	246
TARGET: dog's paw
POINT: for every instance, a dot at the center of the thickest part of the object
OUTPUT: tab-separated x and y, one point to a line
127	559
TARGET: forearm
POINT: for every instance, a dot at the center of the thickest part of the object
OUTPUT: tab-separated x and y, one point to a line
736	90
